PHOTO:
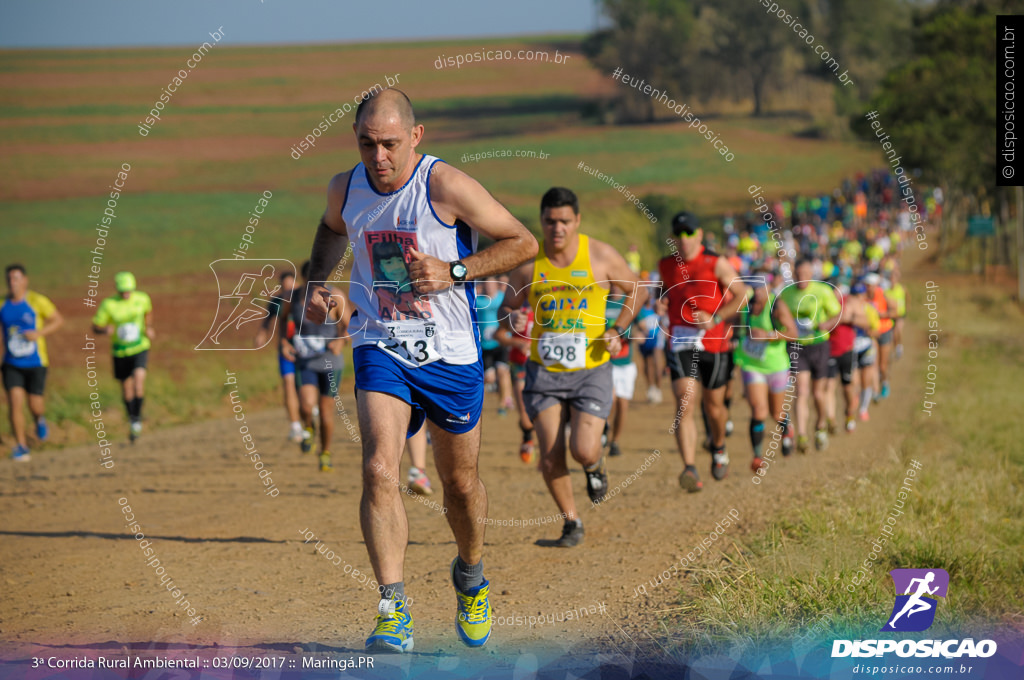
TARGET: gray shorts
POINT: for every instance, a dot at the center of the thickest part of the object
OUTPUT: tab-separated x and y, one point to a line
586	390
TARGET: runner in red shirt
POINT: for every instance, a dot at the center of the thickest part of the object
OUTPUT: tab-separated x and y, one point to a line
698	346
842	358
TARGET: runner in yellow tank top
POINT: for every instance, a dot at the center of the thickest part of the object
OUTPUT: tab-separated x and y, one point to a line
568	376
566	303
899	295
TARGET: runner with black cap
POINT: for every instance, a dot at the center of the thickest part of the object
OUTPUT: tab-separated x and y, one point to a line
696	281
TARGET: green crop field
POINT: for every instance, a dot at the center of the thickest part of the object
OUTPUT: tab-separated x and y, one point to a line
69	119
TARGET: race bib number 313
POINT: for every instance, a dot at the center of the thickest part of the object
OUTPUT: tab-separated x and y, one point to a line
414	343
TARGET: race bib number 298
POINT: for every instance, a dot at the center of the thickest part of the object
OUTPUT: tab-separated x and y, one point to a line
564	349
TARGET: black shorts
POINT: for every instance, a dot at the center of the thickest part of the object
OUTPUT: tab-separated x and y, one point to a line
842	366
813	358
324	372
495	357
125	366
713	368
32	379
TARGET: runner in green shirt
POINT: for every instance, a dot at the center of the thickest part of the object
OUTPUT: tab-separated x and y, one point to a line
816	310
128	317
764	363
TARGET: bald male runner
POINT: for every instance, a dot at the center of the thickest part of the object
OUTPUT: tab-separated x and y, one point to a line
413	223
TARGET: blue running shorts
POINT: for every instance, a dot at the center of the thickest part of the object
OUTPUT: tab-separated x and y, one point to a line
451	396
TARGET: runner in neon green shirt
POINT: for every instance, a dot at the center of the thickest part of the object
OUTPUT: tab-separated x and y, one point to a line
128	317
816	310
764	363
898	294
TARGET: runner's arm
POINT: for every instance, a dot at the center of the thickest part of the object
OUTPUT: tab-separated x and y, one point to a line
150	332
516	295
101	321
730	282
834	309
329	246
53	321
456	196
783	317
617	272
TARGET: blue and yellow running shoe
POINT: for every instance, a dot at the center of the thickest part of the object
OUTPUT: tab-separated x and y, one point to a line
393	632
473	621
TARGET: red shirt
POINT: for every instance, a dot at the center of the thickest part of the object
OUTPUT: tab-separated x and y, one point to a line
692	285
516	355
840	340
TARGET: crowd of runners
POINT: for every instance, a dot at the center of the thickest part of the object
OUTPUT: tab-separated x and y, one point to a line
802	294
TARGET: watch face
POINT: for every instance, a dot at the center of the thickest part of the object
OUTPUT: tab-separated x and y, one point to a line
459	271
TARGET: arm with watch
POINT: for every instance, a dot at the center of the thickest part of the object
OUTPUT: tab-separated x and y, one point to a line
459	199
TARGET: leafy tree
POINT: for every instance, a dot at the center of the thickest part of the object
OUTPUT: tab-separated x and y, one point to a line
748	42
940	107
648	39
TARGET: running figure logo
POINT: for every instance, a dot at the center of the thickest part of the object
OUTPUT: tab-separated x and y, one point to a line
249	301
914	609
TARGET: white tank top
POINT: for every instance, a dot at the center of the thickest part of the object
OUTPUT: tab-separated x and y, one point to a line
415	329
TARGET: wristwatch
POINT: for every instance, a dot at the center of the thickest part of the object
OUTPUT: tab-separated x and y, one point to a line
458	271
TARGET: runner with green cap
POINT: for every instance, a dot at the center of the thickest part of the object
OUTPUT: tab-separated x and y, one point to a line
128	317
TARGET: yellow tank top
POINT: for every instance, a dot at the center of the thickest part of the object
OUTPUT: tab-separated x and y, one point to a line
899	293
569	315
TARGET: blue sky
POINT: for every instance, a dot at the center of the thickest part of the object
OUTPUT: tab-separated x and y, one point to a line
124	23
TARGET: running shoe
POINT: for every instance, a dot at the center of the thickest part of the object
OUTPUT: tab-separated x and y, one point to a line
136	431
42	430
899	352
419	482
851	424
393	631
295	434
316	412
821	440
597	482
572	534
654	395
21	453
757	464
473	620
526	452
719	465
864	416
801	443
787	442
325	462
306	445
614	450
728	428
690	481
885	390
832	428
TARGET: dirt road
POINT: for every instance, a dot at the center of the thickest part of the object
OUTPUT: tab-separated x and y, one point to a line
73	575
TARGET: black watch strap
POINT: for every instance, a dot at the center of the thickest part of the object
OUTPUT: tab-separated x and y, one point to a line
458	271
